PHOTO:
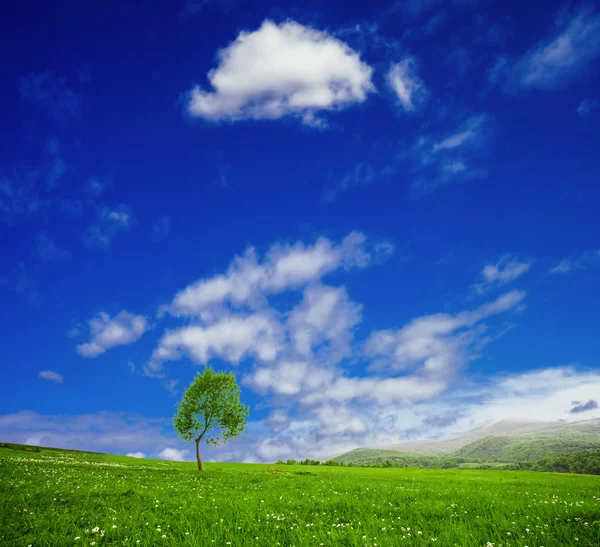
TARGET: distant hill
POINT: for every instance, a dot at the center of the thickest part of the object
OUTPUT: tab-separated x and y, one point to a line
532	446
504	441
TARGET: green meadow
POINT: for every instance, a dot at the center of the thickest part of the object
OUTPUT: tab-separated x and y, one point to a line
53	498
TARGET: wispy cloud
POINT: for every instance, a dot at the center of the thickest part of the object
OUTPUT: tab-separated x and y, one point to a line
585	260
136	455
281	70
161	228
443	159
502	272
21	195
49	93
409	88
106	332
47	249
111	222
469	131
556	60
586	106
51	376
95	186
361	174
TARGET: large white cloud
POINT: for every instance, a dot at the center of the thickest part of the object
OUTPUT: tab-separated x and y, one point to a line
284	267
296	343
547	394
279	70
107	332
325	315
230	338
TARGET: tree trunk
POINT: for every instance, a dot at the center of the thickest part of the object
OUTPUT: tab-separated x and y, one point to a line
200	468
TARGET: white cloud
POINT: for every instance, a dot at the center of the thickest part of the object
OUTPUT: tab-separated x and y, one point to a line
301	357
140	455
567	53
278	420
107	332
544	394
173	454
504	271
428	352
326	314
280	70
284	267
440	344
334	426
448	158
404	81
585	260
231	338
469	131
287	377
51	376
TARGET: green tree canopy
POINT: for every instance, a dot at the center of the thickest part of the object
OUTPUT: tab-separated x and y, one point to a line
211	404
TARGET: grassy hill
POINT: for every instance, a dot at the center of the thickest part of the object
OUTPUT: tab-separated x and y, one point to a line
553	442
66	498
519	443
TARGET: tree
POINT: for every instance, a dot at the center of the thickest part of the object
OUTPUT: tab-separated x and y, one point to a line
212	401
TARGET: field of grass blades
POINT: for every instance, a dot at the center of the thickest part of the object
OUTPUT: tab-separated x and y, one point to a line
54	498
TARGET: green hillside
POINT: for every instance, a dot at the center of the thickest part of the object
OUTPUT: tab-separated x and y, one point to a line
491	449
395	458
62	498
371	455
533	446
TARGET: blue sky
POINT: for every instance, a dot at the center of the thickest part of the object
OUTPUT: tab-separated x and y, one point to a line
382	218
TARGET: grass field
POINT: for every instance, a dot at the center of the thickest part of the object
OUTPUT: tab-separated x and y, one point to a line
56	498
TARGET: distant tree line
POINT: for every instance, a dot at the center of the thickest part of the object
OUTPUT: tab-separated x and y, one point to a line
587	462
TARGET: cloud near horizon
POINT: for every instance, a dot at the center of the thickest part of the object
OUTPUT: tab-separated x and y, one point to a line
550	394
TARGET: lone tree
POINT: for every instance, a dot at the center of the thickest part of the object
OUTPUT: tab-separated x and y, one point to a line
211	402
